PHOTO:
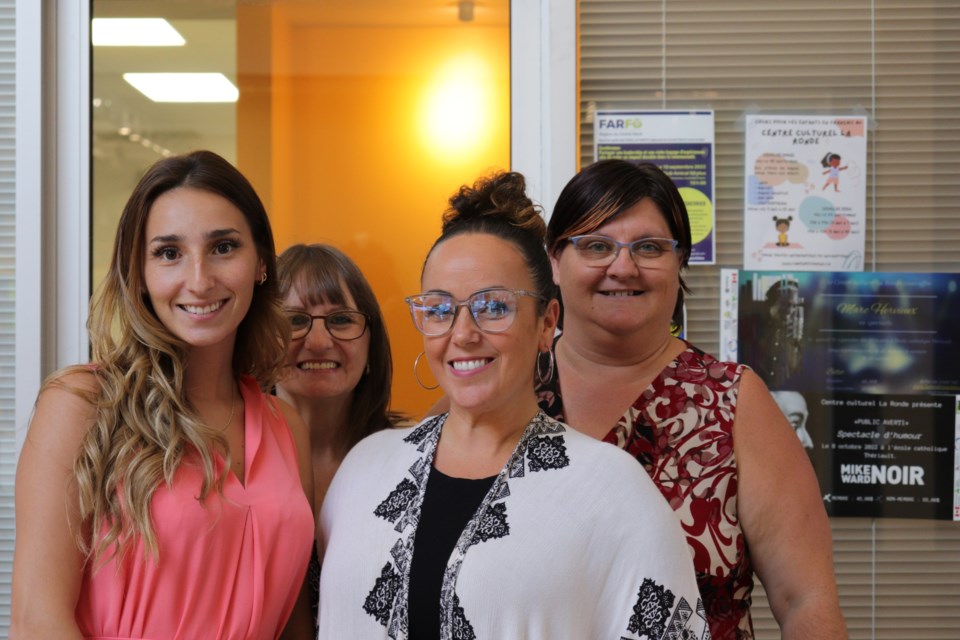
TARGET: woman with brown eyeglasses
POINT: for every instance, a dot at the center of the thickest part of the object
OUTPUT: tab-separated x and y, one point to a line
338	363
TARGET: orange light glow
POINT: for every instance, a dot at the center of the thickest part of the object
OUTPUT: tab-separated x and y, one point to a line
460	106
357	136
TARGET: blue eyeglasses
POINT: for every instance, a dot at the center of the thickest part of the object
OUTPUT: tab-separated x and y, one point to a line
493	310
601	251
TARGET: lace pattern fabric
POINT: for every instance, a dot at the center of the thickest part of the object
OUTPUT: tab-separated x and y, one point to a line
547	538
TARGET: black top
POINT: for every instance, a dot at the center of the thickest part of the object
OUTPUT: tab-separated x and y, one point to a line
313	585
448	505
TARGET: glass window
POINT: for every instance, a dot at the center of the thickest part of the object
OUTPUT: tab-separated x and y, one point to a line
354	121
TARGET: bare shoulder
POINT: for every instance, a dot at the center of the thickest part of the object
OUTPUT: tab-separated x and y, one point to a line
751	384
64	412
80	382
47	561
757	410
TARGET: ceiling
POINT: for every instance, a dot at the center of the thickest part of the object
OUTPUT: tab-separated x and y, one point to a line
209	28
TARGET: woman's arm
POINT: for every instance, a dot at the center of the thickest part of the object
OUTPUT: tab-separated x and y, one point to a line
47	563
783	518
301	623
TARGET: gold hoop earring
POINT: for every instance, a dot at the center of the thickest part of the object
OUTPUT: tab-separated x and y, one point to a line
416	375
542	378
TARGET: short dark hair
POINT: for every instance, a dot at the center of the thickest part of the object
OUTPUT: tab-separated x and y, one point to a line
607	188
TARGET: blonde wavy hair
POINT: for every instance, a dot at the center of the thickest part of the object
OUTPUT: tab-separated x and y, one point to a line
144	425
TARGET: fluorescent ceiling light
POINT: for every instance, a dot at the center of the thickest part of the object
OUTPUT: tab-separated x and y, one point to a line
134	32
184	87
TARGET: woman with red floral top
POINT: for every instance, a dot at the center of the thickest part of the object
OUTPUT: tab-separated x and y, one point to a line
707	432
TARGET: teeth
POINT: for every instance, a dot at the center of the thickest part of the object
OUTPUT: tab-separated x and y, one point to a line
311	366
210	308
619	294
468	365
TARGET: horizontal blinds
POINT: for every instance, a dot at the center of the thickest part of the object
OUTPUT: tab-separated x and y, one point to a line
8	440
898	62
917	149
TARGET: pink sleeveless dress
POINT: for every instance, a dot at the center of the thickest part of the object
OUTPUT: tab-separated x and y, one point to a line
230	568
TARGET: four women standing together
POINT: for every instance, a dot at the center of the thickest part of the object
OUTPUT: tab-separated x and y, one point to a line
161	494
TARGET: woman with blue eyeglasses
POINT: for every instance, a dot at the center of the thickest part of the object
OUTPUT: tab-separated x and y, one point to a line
708	432
492	520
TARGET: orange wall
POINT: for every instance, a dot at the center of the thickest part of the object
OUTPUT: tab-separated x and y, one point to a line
352	159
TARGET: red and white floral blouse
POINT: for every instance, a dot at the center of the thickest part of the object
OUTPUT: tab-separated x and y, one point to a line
681	429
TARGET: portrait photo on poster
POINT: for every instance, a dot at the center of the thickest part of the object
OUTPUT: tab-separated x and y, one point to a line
862	365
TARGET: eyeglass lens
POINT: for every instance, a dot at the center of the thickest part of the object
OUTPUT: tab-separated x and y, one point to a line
492	310
603	250
344	325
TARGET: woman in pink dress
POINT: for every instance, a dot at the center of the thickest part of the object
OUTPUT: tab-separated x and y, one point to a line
160	493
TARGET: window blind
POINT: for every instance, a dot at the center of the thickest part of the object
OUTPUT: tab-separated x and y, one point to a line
898	62
8	440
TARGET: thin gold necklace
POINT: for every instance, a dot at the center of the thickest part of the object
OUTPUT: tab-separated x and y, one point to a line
233	411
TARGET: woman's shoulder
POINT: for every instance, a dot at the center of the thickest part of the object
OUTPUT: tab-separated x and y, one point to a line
611	477
695	353
392	441
694	358
612	459
372	466
76	383
65	410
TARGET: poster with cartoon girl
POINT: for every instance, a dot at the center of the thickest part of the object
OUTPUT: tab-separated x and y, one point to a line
831	162
804	192
783	225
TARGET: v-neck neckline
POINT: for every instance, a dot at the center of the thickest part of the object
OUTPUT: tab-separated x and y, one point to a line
248	398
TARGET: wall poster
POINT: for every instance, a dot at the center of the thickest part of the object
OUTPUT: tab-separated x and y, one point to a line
681	143
804	192
866	367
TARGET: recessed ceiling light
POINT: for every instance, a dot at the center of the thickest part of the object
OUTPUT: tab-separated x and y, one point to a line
184	87
134	32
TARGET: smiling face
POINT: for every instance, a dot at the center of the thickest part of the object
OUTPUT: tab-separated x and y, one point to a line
622	297
484	373
320	365
200	266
